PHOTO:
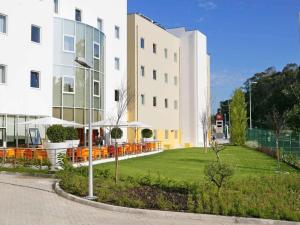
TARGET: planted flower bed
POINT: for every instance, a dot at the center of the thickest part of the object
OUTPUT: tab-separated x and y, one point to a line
272	197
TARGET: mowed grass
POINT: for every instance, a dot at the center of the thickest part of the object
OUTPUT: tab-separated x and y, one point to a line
188	164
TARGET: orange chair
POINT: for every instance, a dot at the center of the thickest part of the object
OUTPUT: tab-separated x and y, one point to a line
40	154
139	148
28	154
82	154
2	153
10	153
111	151
127	149
104	152
153	146
96	153
120	150
70	154
20	153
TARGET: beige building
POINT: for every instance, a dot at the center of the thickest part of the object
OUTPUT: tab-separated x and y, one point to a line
153	77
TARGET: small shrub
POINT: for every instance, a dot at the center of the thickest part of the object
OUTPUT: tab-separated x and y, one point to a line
116	133
56	133
147	133
71	133
218	173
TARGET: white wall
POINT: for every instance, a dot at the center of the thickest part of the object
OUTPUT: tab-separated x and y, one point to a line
194	84
21	56
113	13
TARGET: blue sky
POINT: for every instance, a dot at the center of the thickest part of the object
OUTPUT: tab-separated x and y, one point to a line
244	36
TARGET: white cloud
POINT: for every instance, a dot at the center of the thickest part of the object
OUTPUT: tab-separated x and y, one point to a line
207	4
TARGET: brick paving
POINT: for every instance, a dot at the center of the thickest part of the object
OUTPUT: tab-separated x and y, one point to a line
31	201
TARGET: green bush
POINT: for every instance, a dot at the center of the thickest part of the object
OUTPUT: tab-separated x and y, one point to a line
218	173
56	133
116	133
147	133
72	133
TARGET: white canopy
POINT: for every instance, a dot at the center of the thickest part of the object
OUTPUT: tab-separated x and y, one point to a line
109	123
50	121
137	124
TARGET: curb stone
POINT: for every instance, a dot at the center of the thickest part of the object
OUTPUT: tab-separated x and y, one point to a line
37	175
168	214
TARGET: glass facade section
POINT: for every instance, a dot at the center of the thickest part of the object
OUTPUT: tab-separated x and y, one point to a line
70	80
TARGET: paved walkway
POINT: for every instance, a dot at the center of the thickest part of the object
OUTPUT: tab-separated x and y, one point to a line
31	201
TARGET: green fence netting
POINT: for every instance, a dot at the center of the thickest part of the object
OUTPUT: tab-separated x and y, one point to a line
289	144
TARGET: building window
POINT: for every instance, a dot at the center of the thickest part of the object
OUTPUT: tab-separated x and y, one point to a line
176	134
3	24
96	88
166	78
34	79
143	99
166	53
78	15
175	104
142	71
117	95
96	50
2	74
175	81
154	48
69	84
154	101
117	32
166	134
142	43
175	57
69	43
117	63
35	34
100	24
56	6
154	75
166	103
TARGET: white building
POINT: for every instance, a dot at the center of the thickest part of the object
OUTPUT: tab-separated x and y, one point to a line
194	84
39	40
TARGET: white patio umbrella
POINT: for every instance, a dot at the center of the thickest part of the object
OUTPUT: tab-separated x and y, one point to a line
136	125
48	121
109	123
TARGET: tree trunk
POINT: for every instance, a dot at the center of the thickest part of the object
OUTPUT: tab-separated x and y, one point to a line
116	161
277	153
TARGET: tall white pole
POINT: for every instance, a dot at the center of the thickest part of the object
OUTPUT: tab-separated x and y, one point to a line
250	84
91	194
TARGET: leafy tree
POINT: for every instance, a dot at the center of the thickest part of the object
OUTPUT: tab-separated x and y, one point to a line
238	118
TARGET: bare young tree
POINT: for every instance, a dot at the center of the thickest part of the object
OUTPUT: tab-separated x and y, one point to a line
124	98
277	122
205	119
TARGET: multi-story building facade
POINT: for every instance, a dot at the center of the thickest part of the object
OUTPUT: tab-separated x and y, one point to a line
38	74
153	77
195	85
169	71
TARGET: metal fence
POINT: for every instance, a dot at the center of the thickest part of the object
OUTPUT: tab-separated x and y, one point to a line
265	140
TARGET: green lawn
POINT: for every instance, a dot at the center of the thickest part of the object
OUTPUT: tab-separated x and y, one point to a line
188	164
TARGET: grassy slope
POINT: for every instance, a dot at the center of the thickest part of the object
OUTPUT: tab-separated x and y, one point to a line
188	164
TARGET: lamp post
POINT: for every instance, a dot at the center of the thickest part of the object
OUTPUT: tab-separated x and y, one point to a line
250	104
83	63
